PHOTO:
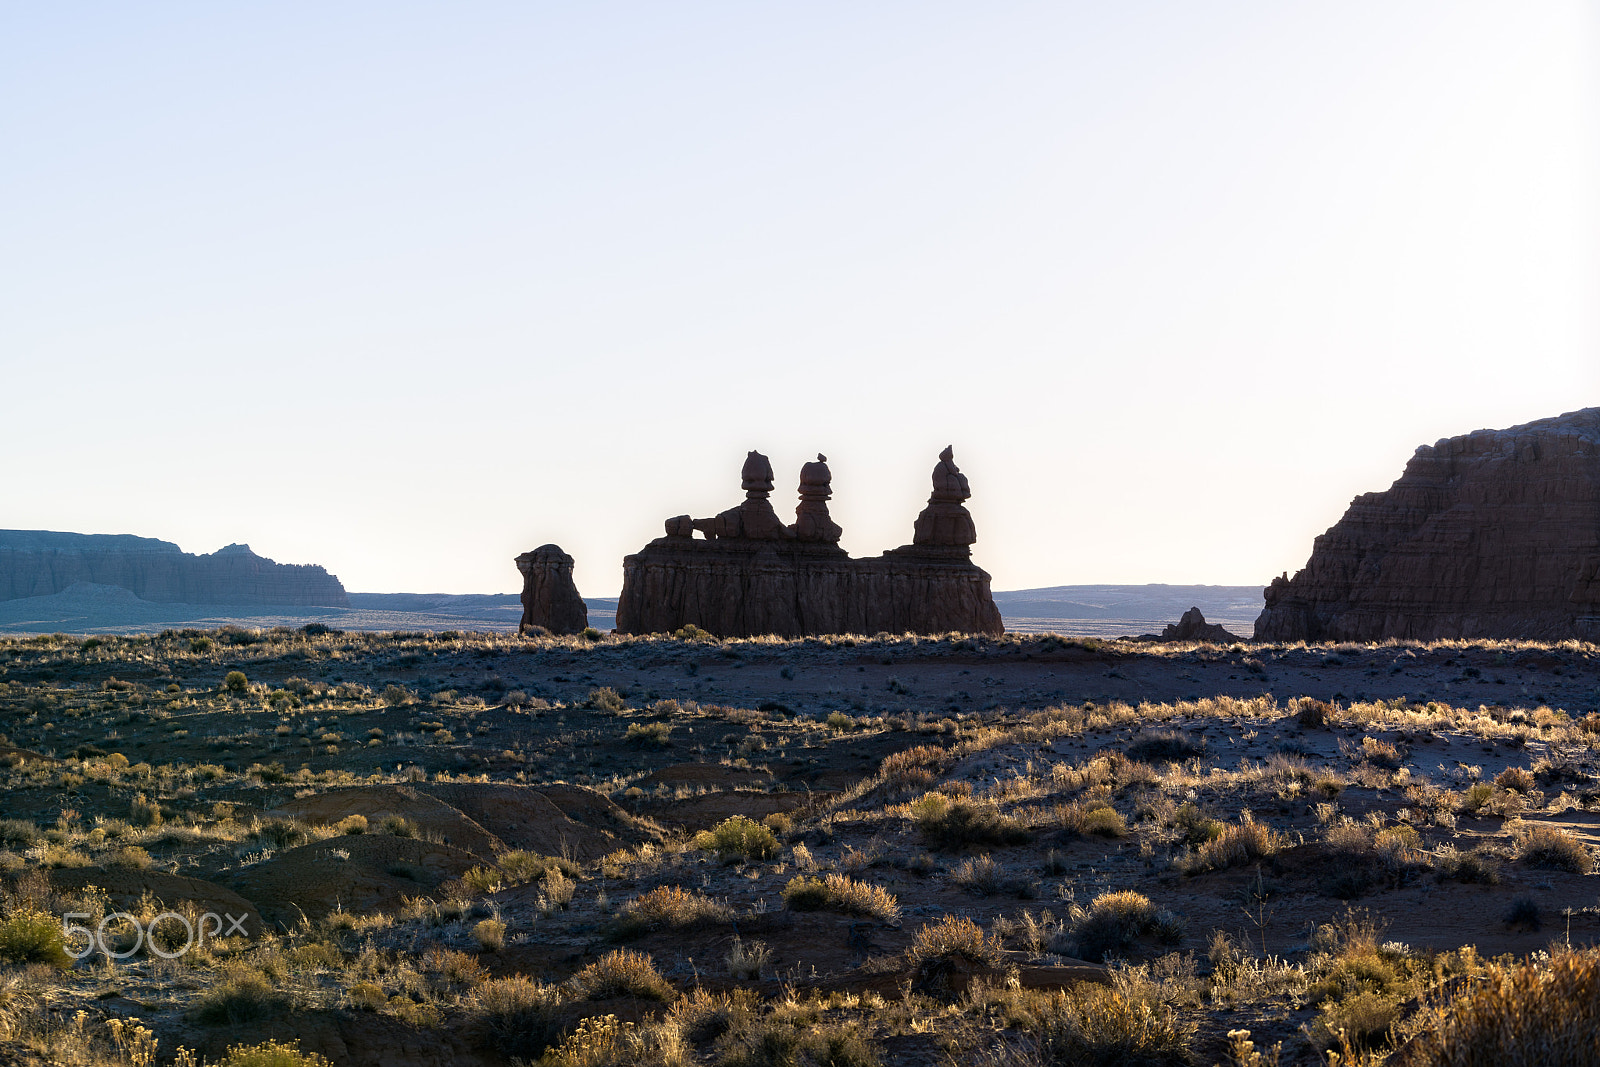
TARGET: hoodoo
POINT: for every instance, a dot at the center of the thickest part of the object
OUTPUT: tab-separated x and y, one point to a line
1495	534
549	597
749	574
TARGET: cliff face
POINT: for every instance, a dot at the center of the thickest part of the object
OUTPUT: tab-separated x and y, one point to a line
752	575
1492	534
40	563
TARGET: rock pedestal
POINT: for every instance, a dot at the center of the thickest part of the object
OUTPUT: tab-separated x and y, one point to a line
749	576
1193	627
549	597
945	521
1494	534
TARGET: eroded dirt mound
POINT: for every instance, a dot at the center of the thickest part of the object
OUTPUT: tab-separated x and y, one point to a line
553	820
707	775
126	886
432	817
364	872
351	1039
708	809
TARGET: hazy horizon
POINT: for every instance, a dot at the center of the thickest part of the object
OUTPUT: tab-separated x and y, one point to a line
407	291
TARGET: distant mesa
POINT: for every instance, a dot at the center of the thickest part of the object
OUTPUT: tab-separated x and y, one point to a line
1494	534
37	563
550	600
749	573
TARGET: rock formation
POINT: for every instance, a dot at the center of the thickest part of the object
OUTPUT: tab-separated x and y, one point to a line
43	563
1492	534
749	574
1193	627
549	599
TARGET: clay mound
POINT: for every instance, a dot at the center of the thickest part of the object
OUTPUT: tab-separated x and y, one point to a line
709	809
126	886
351	1039
553	820
433	817
712	775
14	756
376	872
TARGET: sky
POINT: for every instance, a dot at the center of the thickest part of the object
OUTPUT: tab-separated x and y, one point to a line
405	289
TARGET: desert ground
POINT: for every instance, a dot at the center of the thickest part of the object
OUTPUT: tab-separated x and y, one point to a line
478	848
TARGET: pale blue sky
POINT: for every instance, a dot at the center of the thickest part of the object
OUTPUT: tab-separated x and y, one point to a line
405	289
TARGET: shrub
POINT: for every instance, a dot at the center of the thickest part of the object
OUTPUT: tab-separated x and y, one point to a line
1313	714
1475	797
835	892
1247	841
271	1054
671	907
490	934
1197	828
396	695
776	1043
33	936
939	948
129	856
839	722
19	832
981	875
1165	746
1531	1014
622	973
235	682
605	699
243	995
1096	1026
1113	921
1097	818
946	823
649	734
1555	848
144	812
521	1015
1475	866
1360	1021
738	838
1515	779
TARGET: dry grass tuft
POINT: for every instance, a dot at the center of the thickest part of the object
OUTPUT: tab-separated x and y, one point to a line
1244	843
668	907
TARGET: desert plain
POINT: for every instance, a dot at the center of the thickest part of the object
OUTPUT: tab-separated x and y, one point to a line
475	848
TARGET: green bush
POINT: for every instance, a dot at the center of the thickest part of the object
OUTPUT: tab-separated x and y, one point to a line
33	936
738	838
235	682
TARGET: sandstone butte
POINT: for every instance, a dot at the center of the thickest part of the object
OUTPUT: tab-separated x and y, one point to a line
748	573
43	562
1495	534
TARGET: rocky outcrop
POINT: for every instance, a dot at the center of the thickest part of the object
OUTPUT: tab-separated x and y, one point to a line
43	563
748	574
1193	627
549	597
1492	534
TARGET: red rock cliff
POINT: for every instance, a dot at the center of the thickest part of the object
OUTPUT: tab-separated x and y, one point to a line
1492	534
